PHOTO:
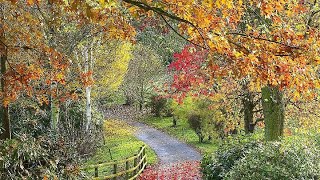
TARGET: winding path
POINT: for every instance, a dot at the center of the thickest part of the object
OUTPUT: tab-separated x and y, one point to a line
168	149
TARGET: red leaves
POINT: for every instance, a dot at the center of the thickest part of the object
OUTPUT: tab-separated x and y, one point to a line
186	170
188	72
188	59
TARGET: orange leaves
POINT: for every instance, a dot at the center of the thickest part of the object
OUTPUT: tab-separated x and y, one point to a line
30	2
270	7
203	18
86	78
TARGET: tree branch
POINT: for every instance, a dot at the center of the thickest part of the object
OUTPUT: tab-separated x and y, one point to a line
263	39
162	13
259	110
175	31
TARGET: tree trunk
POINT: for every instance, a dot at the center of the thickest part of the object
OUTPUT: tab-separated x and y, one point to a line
4	110
248	107
88	90
88	107
141	97
174	121
55	115
273	110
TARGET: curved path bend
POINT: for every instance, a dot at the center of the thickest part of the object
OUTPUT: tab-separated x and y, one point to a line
168	149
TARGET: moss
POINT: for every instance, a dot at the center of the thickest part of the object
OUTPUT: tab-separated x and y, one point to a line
273	111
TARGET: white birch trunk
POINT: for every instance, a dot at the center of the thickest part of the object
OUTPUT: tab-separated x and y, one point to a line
88	90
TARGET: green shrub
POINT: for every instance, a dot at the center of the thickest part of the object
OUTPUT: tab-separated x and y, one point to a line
273	161
292	158
217	165
210	122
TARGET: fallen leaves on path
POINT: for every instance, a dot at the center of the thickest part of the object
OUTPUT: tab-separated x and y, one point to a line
189	170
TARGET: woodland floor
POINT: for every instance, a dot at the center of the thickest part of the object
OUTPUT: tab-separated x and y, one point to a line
177	160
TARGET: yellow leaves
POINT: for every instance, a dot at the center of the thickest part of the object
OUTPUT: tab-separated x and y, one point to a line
111	67
226	3
6	101
133	10
208	4
120	66
60	78
289	13
218	4
117	128
255	85
102	2
30	2
279	7
203	18
238	54
296	95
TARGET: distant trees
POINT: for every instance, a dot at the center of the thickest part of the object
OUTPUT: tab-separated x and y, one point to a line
144	69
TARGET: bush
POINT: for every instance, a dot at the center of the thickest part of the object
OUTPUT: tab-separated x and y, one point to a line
294	158
30	158
233	149
158	105
204	121
38	149
195	123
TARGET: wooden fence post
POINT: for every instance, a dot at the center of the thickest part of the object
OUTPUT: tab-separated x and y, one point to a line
96	172
135	162
144	155
127	168
115	171
140	158
139	162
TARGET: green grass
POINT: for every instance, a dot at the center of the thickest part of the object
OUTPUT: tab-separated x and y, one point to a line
183	132
120	143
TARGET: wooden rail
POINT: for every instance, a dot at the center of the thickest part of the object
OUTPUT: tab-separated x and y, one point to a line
133	167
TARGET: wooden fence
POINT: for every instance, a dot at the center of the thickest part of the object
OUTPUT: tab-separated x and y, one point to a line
133	167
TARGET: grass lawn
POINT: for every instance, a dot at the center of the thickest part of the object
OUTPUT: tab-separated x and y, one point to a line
120	143
183	132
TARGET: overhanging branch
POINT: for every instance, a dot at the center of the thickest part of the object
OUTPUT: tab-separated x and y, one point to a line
175	31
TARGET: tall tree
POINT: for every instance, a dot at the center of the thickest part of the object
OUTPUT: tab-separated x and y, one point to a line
4	109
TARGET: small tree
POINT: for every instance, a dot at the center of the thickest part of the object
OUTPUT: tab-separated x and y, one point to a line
195	122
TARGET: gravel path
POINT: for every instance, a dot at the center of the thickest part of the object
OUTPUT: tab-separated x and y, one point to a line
168	149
